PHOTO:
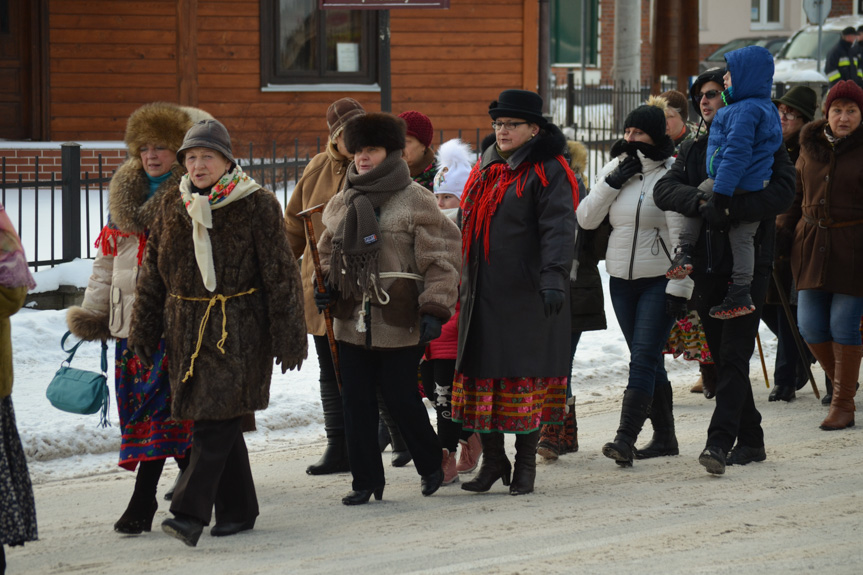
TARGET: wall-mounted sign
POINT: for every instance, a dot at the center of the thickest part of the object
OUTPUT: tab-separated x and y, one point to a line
381	4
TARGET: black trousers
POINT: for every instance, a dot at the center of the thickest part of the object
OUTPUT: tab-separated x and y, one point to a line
731	343
395	371
218	475
437	376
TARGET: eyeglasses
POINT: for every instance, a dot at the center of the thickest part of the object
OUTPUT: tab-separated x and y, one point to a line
709	94
507	125
790	116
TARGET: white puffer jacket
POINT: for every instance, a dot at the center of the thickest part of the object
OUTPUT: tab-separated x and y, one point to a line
642	236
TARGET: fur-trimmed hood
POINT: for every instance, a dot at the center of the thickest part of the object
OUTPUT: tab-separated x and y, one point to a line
577	157
548	143
162	123
815	143
129	206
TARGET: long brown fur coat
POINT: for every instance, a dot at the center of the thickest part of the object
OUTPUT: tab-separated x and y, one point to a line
250	251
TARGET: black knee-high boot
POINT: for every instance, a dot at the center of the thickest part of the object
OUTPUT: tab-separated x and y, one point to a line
632	416
494	466
664	441
524	474
335	457
138	516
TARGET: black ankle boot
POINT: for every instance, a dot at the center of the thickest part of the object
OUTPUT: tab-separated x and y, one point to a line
632	416
494	466
335	457
137	518
524	474
664	441
186	529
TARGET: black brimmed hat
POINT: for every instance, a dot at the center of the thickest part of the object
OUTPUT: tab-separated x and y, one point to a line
521	104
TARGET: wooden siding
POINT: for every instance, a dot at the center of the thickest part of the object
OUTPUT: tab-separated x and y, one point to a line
107	58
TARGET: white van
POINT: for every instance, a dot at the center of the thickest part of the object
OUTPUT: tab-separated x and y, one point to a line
796	61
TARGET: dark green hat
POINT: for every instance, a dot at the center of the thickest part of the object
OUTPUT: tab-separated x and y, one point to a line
801	98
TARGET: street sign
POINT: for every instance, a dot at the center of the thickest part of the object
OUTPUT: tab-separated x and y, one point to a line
817	10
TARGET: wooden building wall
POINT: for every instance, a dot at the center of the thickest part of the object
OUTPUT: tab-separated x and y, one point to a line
106	58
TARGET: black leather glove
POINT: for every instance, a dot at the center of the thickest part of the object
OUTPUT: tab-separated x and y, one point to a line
675	307
145	355
430	327
552	301
326	298
715	211
627	168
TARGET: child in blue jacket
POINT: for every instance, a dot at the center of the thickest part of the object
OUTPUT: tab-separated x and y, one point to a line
743	137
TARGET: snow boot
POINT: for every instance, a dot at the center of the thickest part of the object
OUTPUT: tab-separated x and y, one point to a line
664	441
681	265
636	404
737	302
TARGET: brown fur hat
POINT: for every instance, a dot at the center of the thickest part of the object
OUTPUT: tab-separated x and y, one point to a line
162	123
377	129
577	157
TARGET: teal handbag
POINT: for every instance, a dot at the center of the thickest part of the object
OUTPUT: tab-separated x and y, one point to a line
77	391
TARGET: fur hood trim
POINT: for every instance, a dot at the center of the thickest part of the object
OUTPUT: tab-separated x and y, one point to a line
162	123
376	129
814	143
130	209
577	157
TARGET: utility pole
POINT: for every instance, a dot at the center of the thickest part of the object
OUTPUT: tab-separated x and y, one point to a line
626	69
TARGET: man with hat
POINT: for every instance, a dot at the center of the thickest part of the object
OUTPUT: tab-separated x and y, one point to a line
841	63
796	108
734	436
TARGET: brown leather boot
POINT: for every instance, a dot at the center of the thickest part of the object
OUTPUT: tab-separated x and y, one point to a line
846	369
823	352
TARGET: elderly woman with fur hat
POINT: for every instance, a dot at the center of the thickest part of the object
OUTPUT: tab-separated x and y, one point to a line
391	259
321	180
154	133
639	251
220	282
518	233
826	220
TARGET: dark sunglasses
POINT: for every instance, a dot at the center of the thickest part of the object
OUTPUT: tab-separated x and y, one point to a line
709	94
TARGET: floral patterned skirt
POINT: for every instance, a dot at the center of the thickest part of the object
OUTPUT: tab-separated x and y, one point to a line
144	406
509	405
17	506
687	339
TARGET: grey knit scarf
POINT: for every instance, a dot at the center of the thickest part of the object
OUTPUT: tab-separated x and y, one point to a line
357	240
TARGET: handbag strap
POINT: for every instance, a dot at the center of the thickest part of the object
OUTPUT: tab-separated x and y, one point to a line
71	351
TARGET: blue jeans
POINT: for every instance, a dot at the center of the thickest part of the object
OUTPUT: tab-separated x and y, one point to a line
640	309
826	316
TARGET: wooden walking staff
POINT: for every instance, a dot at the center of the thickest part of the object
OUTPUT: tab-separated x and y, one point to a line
792	322
761	353
319	278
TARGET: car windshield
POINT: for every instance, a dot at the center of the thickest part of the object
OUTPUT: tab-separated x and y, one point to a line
805	44
733	45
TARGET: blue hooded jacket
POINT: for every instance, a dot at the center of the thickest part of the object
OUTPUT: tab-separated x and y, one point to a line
745	133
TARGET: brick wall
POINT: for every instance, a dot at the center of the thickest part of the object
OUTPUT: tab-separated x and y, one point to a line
841	8
22	162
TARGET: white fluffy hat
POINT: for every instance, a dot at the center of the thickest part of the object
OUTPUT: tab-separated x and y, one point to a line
454	162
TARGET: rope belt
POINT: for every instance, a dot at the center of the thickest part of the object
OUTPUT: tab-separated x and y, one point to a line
211	302
825	223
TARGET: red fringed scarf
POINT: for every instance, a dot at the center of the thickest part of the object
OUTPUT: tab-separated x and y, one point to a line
485	191
108	237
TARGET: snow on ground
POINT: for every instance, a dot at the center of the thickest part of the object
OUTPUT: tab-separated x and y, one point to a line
61	445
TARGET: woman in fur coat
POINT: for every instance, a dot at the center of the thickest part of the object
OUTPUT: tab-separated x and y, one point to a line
220	282
391	259
154	132
645	302
518	233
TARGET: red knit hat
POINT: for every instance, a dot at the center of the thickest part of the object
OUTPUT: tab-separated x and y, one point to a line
846	89
419	126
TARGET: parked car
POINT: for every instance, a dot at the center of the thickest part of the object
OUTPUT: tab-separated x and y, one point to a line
717	58
797	60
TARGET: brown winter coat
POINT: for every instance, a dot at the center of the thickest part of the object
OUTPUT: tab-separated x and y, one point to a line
250	251
827	214
416	237
107	307
11	300
322	179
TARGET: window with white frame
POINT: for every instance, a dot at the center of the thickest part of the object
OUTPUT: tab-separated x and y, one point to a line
766	14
